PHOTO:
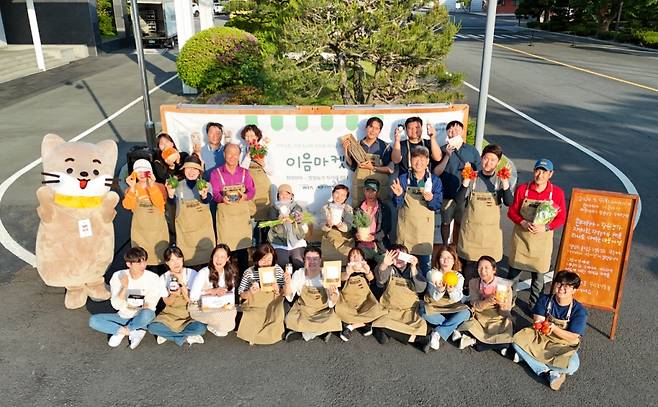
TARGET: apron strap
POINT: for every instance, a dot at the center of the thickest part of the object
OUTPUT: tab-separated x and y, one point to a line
244	174
549	307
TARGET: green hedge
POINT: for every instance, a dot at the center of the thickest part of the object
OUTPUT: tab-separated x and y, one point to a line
645	38
105	14
218	58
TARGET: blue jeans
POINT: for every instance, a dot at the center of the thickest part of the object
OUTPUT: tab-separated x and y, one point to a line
446	324
539	367
110	323
424	263
192	329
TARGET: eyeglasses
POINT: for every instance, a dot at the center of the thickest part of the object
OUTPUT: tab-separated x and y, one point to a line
563	285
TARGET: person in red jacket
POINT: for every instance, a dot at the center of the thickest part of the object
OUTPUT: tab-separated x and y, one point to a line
532	243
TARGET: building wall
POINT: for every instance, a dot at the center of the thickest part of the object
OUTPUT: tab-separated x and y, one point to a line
504	6
60	22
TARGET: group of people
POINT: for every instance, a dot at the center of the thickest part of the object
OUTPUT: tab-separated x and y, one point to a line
395	281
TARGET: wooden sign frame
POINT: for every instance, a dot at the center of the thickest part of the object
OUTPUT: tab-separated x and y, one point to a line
625	250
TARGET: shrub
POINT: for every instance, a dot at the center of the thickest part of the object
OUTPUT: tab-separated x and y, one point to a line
646	38
218	58
105	14
533	24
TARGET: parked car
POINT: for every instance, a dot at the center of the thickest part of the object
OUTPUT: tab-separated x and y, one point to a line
195	9
219	7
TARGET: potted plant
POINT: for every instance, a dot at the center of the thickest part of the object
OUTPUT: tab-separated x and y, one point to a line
362	224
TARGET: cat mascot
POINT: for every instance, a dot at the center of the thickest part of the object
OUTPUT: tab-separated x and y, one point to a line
75	241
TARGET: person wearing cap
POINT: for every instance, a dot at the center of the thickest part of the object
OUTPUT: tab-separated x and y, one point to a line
378	165
457	154
417	195
195	235
146	198
401	152
532	244
233	189
288	238
377	241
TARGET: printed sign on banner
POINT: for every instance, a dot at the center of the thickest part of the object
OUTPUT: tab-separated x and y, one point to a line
305	149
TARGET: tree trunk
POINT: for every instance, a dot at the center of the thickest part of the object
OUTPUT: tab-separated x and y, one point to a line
359	97
343	84
603	18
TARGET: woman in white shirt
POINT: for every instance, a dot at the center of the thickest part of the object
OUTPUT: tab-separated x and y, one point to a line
174	322
212	297
313	313
443	306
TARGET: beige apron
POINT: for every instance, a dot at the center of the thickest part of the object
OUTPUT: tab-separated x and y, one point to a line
194	232
310	313
357	303
415	228
489	326
480	233
444	305
548	349
531	252
361	174
175	316
148	229
234	220
401	303
262	319
336	245
222	320
262	197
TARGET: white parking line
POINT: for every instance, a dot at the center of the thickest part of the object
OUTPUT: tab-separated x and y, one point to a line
5	238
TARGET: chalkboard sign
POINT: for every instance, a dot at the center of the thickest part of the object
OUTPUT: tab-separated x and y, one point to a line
595	244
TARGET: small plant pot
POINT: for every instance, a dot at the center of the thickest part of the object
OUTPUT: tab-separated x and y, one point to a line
363	233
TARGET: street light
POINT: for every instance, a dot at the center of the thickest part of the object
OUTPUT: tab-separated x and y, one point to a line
485	73
137	33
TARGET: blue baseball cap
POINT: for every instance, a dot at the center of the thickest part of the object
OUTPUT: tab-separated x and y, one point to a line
545	164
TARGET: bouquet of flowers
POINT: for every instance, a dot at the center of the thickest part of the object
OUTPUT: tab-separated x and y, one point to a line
546	212
258	150
468	173
504	173
304	218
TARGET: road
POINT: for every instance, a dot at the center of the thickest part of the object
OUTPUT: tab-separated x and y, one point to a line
50	357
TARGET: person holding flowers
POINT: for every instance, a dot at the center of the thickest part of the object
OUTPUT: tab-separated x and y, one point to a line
287	233
146	198
483	196
539	208
442	305
195	235
254	160
337	240
372	221
168	159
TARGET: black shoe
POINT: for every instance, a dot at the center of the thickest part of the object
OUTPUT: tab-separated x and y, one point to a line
293	336
380	336
326	337
423	343
346	334
365	330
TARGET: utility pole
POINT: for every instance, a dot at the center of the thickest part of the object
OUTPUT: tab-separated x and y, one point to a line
485	73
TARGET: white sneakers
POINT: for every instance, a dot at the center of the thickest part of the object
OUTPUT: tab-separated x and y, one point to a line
115	340
216	332
466	341
456	335
160	340
135	337
194	339
435	340
516	359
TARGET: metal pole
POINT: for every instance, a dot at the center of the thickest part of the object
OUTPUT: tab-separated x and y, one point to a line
137	33
36	38
484	73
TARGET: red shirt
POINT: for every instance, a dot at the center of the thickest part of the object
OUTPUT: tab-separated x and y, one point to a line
514	211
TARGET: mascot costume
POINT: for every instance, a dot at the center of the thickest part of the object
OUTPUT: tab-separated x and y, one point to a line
75	241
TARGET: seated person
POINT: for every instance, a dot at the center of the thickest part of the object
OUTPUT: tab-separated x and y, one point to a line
174	322
358	306
552	350
135	294
215	284
491	323
443	306
288	238
336	237
262	310
312	315
403	282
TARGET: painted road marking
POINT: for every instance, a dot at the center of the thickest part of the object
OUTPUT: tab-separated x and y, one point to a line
5	238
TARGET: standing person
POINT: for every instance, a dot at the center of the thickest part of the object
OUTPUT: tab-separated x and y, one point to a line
417	195
401	153
216	282
145	198
195	235
135	294
233	190
490	327
174	322
378	165
288	238
212	153
312	315
378	240
168	159
403	283
532	244
553	350
456	155
480	227
443	306
357	307
251	134
262	311
336	237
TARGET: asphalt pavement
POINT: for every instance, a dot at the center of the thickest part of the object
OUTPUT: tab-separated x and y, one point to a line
49	356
